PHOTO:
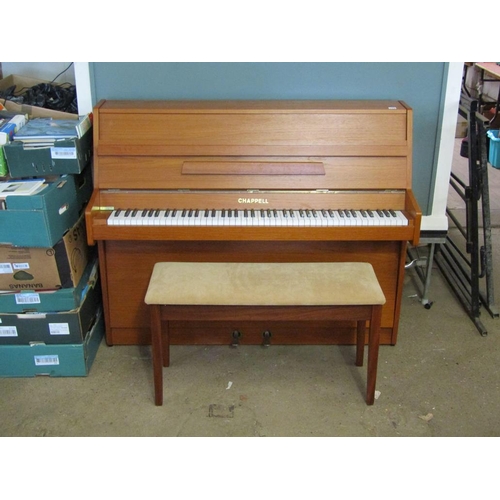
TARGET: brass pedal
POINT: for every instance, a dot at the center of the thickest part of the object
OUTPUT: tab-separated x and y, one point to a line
266	342
236	335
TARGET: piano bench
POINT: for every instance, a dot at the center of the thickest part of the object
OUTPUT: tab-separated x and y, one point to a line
219	291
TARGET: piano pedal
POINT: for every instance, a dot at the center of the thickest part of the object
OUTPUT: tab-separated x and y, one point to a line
235	338
266	338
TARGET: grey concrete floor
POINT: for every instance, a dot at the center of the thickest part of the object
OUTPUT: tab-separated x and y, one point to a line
441	379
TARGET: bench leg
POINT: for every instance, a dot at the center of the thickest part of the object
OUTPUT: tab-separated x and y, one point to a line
165	344
360	342
156	351
373	346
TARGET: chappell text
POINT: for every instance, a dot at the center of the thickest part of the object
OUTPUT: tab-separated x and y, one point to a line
253	200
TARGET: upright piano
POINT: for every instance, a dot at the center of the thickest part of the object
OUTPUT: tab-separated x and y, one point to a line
249	181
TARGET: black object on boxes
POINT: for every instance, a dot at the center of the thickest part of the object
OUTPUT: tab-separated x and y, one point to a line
22	94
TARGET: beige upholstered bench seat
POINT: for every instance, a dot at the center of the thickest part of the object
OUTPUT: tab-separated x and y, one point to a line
264	284
191	291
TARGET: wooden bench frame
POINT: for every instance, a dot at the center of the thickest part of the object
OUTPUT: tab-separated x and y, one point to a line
162	314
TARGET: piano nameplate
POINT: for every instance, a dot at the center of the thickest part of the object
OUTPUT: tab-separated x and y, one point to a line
163	199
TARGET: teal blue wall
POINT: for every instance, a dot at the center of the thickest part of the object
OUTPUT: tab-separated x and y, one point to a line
421	85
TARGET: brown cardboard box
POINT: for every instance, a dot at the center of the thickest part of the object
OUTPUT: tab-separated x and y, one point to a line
32	111
33	268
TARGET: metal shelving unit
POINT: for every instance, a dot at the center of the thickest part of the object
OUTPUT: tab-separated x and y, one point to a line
466	261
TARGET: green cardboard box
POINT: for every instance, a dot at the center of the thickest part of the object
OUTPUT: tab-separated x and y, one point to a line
37	269
54	360
64	299
61	327
40	220
68	156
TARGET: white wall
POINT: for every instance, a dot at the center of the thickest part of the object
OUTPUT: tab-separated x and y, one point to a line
41	70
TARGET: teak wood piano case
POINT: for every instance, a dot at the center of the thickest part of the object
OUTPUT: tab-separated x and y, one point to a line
254	166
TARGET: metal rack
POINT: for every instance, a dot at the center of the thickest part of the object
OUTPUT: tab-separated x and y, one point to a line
466	263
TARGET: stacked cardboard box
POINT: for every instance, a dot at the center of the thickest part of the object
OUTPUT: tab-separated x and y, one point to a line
51	320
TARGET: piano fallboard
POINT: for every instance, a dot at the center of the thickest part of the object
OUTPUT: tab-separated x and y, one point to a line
101	224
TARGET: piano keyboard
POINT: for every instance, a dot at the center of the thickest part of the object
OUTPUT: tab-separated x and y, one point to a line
256	217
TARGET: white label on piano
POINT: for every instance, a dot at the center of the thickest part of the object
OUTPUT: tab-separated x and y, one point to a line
63	153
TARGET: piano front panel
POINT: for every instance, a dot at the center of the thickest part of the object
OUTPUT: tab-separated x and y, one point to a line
129	265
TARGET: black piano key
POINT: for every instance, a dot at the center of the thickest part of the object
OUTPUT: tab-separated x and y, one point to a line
118	211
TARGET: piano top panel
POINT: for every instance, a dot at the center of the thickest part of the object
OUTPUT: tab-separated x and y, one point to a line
250	106
290	128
